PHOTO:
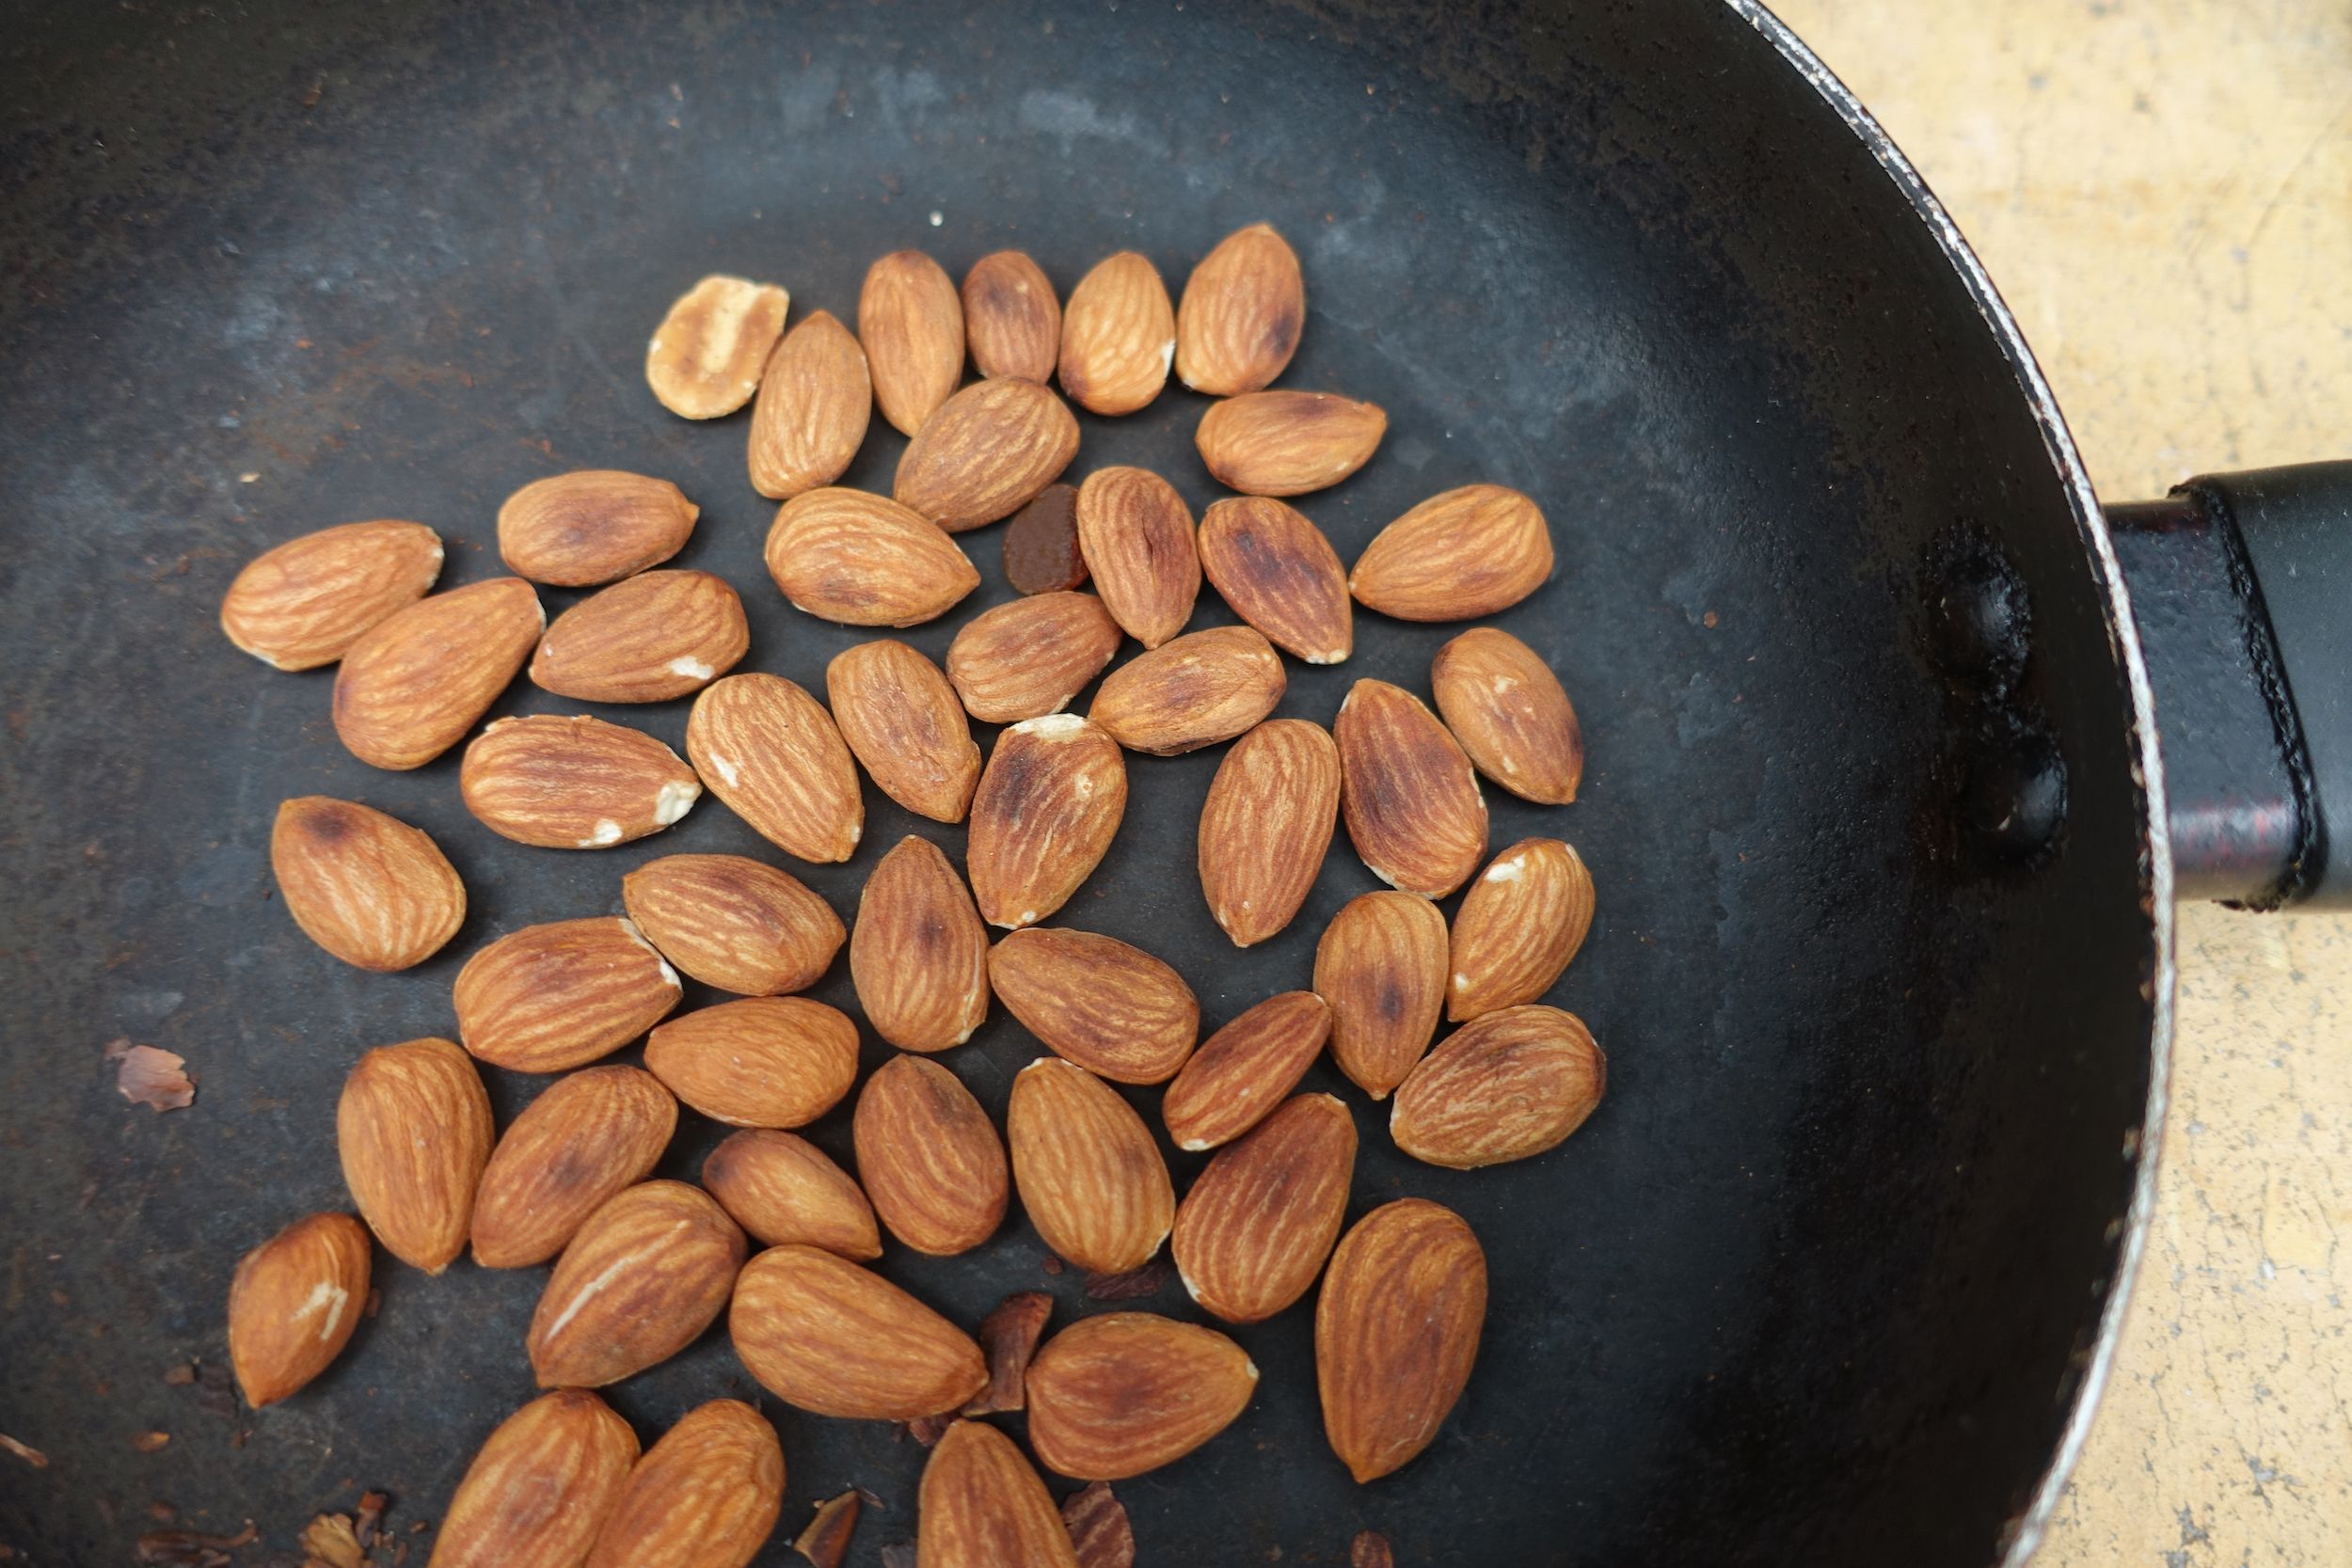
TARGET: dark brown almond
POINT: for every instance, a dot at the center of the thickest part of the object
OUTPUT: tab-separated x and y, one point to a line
705	357
830	1338
300	605
1048	804
542	1487
1011	318
919	955
772	753
1041	553
733	923
707	1496
815	402
981	1506
293	1302
413	686
1029	657
640	1281
413	1131
1370	1549
1116	1395
1118	336
1098	1530
1244	305
588	1135
1288	443
1518	926
1194	691
646	639
573	782
1090	1178
1408	793
369	889
556	996
1241	1073
985	454
902	720
1465	553
1511	715
785	1190
865	560
1009	1336
592	525
911	325
1505	1085
1135	533
1396	1332
1381	966
1281	574
765	1061
929	1158
1112	1009
1266	825
1253	1232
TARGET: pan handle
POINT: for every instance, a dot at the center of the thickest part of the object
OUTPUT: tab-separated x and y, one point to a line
2241	587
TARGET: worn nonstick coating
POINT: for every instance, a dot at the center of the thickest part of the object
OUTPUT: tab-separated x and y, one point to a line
1815	1282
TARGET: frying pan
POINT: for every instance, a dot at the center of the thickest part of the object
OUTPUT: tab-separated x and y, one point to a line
1875	803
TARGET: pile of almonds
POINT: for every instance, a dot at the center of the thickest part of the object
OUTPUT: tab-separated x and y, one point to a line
641	1267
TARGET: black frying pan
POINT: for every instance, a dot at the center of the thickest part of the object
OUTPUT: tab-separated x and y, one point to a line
1883	960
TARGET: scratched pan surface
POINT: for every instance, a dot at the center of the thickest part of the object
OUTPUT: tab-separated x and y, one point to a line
1814	1283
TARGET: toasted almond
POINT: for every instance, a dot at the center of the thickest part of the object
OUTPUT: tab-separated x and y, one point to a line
1288	443
1009	1335
556	996
1011	317
985	454
646	639
292	1304
1266	826
643	1276
1381	966
911	325
587	1136
413	686
1135	533
1465	553
302	604
1253	1232
705	357
815	402
1518	926
763	1061
1201	688
707	1496
930	1160
733	923
369	889
1048	807
1397	1331
901	719
1029	657
865	560
830	1338
1408	795
1244	305
539	1491
573	782
592	525
1116	1395
1241	1073
1505	1085
413	1132
1281	574
1112	1009
1508	710
772	753
919	955
1091	1178
981	1506
1041	554
783	1189
1118	336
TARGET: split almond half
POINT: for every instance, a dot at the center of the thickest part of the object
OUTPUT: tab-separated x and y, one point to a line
1241	1073
642	1277
302	604
1028	657
1118	336
1110	1007
919	955
902	720
292	1304
1135	533
1125	1392
1048	804
1469	552
772	753
646	639
413	686
1508	710
592	525
1253	1232
1396	1332
1288	443
1505	1085
1408	793
1090	1178
1244	307
1381	966
1266	825
573	782
733	923
413	1131
911	325
1201	688
814	402
929	1158
588	1135
1518	925
1281	574
538	1492
369	889
865	560
709	1493
830	1338
705	357
560	995
785	1191
763	1061
985	454
1010	317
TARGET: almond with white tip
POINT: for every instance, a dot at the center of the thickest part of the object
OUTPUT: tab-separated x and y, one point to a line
368	888
1253	1232
919	954
292	1304
560	995
1518	926
1048	804
646	639
301	604
574	782
774	754
705	357
733	923
1407	794
1266	825
642	1277
412	686
1506	1086
1511	714
1281	574
1089	1176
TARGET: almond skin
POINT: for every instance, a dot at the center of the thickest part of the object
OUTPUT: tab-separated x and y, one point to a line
911	325
413	1131
1518	926
587	1136
705	357
865	560
573	782
772	753
901	719
1041	553
412	686
1241	1073
707	1496
1029	657
1135	533
292	1304
1118	336
646	639
825	1540
644	1276
1381	966
592	525
1503	1086
815	402
1408	793
1098	1527
539	1491
1397	1331
985	454
1456	556
981	1506
919	955
1288	443
830	1338
1253	1232
560	995
1009	1336
1281	574
765	1061
1239	320
1125	1392
1266	825
1113	1009
1048	805
733	923
1090	1177
1201	688
1010	317
783	1189
302	604
930	1160
369	889
1510	713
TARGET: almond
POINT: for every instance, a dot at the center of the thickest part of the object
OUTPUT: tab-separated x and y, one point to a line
1201	688
830	1338
783	1189
901	719
556	996
1508	710
1244	305
815	402
1029	657
592	525
539	1491
981	1506
1253	1232
911	325
646	639
1396	1330
1112	1009
1456	556
573	782
413	1131
1009	1336
733	923
1281	574
1407	791
772	753
865	560
1010	316
369	889
1503	1086
587	1136
1090	1177
705	357
1118	336
707	1496
765	1061
1266	826
1518	926
1117	1394
919	955
644	1275
302	604
930	1160
1288	443
412	686
1381	966
1041	553
292	1304
985	454
1048	807
1135	534
1241	1073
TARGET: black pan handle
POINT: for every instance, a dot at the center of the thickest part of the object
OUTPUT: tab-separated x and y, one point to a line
2241	587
